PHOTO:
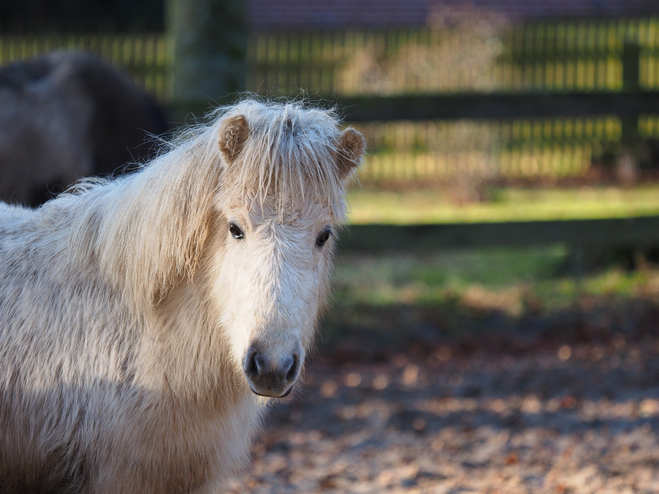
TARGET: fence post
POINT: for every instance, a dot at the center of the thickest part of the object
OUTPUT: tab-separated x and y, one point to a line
207	47
578	265
631	52
627	166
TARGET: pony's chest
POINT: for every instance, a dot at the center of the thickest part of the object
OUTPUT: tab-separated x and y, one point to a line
198	448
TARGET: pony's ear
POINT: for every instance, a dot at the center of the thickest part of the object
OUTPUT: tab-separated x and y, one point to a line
232	136
349	151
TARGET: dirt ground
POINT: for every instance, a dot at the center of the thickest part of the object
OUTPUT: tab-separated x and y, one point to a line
553	418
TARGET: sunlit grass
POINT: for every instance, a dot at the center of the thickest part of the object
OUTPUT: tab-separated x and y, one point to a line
510	281
430	206
481	289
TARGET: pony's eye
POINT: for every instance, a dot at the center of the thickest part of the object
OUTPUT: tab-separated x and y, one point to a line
236	232
323	237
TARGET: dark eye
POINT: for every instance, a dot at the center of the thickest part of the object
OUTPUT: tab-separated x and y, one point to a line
323	237
236	232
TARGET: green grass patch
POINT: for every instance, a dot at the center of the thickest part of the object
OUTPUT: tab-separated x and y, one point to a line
504	280
510	204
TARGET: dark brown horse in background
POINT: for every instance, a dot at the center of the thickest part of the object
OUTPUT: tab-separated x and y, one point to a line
68	115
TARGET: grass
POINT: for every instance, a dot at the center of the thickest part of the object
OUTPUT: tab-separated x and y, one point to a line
479	291
504	278
510	204
488	291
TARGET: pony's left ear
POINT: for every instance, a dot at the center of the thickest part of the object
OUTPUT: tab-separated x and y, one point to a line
349	151
232	136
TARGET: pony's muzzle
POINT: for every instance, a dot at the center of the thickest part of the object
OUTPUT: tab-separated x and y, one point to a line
269	375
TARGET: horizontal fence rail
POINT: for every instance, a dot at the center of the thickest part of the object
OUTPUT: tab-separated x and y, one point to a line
599	233
499	105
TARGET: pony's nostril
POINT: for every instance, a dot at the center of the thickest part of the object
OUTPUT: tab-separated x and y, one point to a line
261	364
293	368
252	366
256	365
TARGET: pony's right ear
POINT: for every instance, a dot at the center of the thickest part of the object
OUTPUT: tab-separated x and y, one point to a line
232	136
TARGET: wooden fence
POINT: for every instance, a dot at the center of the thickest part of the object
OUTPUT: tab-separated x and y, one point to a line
473	64
474	56
145	56
556	56
412	151
503	135
590	235
486	59
565	55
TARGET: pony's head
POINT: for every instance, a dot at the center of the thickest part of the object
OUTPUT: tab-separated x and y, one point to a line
278	207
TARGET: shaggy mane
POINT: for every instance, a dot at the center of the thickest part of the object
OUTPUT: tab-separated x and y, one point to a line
148	228
288	159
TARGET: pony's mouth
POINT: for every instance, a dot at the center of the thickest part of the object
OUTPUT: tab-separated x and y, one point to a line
265	395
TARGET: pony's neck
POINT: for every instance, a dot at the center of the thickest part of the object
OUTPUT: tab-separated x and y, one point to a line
151	226
189	350
147	233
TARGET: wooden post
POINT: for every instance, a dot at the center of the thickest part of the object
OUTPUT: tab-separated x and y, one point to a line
627	167
208	45
630	66
578	263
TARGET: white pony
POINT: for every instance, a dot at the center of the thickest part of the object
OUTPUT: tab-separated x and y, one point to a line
140	318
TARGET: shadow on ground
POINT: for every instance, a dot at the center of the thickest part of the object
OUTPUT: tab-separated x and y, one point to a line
573	409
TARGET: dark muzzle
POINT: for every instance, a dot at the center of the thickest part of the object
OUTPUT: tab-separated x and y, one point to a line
269	376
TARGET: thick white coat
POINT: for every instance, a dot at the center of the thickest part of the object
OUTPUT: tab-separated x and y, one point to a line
126	307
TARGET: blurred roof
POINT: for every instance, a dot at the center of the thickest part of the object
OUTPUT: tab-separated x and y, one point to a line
274	15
